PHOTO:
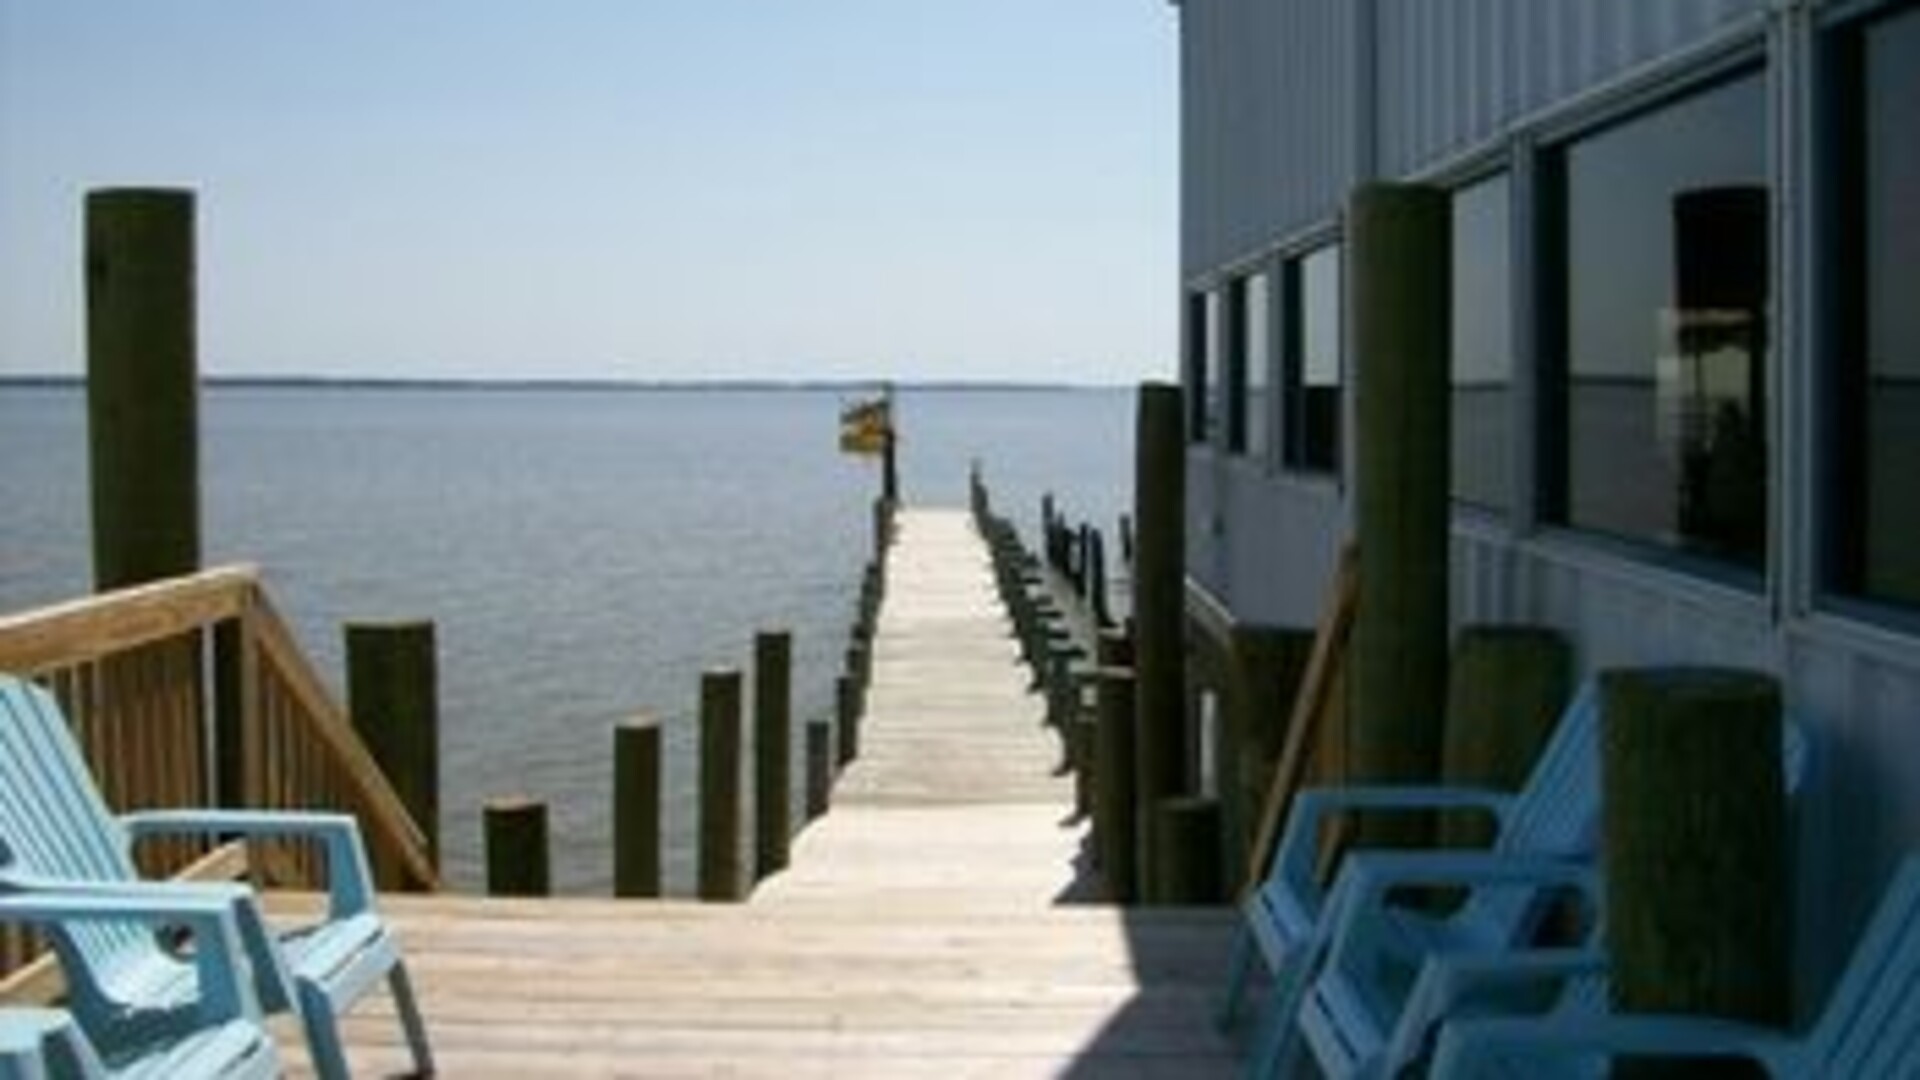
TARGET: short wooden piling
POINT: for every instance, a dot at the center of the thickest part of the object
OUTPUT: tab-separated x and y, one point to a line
1694	816
1186	839
636	807
819	767
1159	598
1506	689
142	385
1399	266
720	869
515	830
393	696
772	751
846	698
1265	665
1116	807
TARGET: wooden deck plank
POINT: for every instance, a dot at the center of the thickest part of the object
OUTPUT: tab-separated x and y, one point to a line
920	931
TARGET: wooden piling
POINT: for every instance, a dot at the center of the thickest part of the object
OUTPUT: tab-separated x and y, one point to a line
1400	272
772	751
720	869
1265	665
1506	689
1159	601
393	697
517	851
1116	805
142	385
1694	820
846	698
819	767
636	807
1186	832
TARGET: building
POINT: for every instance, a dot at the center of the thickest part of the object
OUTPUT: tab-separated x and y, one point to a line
1686	377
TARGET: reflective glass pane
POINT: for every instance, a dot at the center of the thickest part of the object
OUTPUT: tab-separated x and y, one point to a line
1666	316
1313	388
1257	337
1482	344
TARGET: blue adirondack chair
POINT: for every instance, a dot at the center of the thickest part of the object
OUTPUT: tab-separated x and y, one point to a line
1869	1030
58	835
221	1036
1368	1014
1289	919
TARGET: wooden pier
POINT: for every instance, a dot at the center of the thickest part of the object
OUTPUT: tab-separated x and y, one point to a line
928	926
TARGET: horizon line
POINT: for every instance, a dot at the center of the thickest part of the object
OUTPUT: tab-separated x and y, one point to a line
455	382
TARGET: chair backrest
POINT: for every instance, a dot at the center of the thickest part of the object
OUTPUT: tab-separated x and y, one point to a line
53	822
1557	812
1871	1025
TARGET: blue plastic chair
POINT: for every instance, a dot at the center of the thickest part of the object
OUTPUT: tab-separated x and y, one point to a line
1869	1030
58	835
1361	1021
1548	825
220	1037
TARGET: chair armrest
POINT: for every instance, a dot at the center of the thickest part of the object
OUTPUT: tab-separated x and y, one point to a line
1376	872
226	993
1298	857
1467	1045
349	881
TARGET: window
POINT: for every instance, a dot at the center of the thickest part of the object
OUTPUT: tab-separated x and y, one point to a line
1312	388
1878	345
1250	403
1199	379
1657	420
1482	344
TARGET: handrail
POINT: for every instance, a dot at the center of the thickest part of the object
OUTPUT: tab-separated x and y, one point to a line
128	666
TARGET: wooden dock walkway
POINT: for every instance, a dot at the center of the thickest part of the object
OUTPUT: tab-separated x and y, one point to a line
921	931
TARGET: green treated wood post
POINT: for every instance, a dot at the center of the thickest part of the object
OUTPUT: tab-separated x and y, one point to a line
1114	647
142	385
720	870
1264	668
1506	689
517	852
1116	803
1187	837
1695	825
1398	242
772	751
1159	600
636	807
819	767
393	696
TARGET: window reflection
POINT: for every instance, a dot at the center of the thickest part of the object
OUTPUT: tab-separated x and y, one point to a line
1665	300
1880	361
1256	342
1313	362
1482	344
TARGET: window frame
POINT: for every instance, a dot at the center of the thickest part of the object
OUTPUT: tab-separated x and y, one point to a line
1296	453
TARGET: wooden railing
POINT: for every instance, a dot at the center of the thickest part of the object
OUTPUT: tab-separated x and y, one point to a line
193	692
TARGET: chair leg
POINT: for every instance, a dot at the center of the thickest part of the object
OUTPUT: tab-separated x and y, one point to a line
323	1034
402	986
1239	964
1276	1045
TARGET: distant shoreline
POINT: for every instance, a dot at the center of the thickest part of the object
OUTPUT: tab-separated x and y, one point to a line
320	382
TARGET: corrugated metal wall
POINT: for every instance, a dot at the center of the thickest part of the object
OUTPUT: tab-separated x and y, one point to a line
1270	115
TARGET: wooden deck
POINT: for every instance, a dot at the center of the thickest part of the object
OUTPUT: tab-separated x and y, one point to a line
920	933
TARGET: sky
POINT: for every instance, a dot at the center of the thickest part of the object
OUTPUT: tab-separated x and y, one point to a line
631	189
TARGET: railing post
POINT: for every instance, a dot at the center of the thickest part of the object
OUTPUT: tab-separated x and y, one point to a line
636	807
846	696
393	698
819	767
517	850
1116	804
720	876
772	751
1159	601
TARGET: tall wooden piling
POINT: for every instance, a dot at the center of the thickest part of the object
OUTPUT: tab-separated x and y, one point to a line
720	869
142	385
846	699
636	807
1694	816
515	831
1159	610
772	751
819	767
393	696
1400	274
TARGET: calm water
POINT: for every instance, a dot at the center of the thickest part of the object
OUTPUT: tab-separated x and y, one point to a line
584	554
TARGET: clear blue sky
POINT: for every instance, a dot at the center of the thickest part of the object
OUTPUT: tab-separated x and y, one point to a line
626	188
